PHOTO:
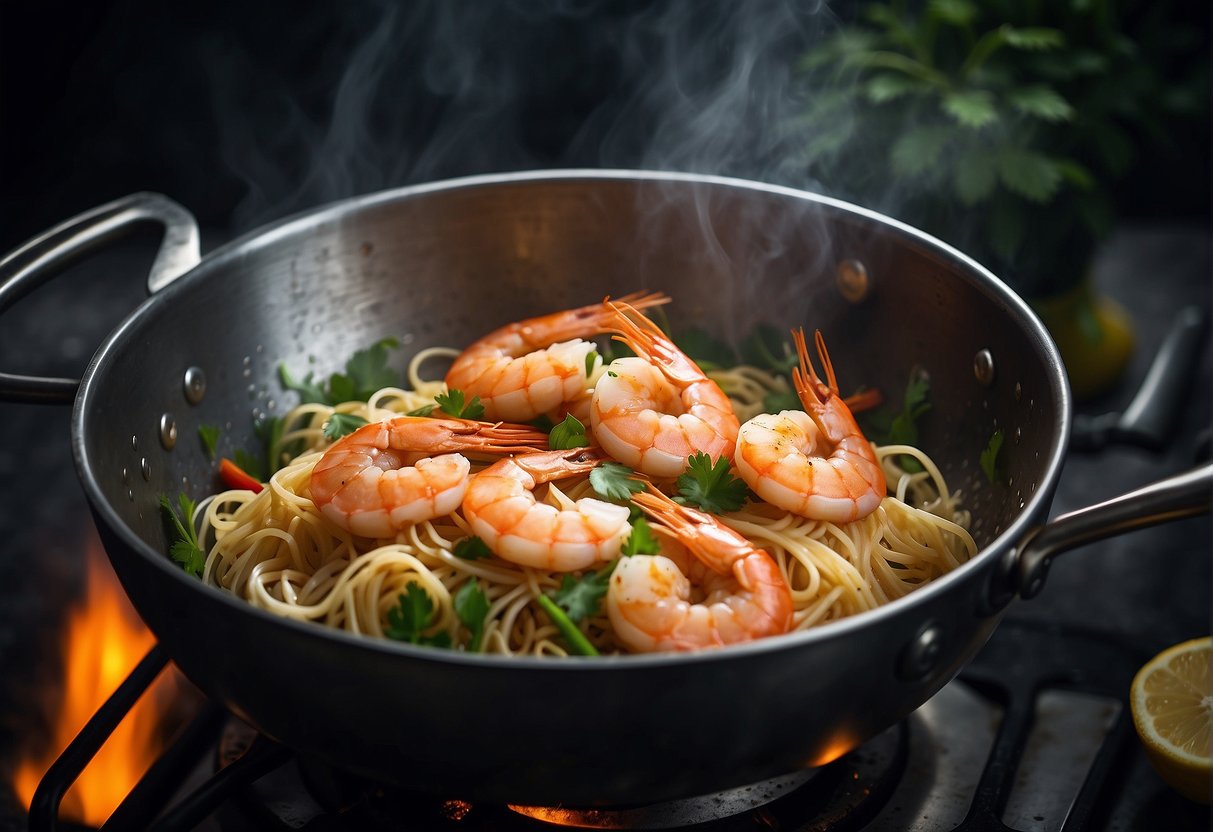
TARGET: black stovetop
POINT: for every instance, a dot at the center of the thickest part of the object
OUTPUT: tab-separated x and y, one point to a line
1139	593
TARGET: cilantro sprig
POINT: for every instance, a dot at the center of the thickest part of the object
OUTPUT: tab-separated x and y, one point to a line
568	434
209	434
577	598
615	481
412	616
901	428
710	485
453	403
991	459
339	424
472	609
365	372
185	549
472	548
641	541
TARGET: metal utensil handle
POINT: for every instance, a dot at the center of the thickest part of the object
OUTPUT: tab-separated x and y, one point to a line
1183	495
47	255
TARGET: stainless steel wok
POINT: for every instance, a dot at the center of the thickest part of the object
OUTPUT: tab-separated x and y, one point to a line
445	262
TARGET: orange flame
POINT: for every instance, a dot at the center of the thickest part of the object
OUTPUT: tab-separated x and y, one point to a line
103	641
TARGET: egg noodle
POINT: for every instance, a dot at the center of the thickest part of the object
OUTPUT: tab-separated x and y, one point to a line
277	551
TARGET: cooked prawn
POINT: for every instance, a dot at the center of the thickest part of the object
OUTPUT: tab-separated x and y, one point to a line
537	366
649	600
816	463
386	475
653	411
500	505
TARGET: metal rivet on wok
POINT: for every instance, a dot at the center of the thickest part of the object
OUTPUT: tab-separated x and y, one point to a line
168	431
983	367
853	281
195	385
145	468
922	654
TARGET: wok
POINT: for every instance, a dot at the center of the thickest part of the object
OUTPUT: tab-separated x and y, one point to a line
440	264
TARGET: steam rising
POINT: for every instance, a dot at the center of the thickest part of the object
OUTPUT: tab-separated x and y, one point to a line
398	93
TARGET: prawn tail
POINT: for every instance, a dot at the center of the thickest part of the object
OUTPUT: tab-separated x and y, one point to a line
813	392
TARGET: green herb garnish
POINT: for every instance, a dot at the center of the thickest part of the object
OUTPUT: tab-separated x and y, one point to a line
472	608
185	549
641	541
710	486
472	548
591	359
412	615
581	597
991	458
424	410
365	372
339	424
209	434
614	481
568	434
452	403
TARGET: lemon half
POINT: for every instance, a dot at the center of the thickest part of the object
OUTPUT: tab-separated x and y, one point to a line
1171	701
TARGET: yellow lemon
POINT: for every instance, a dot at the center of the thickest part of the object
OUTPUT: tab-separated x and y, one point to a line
1171	703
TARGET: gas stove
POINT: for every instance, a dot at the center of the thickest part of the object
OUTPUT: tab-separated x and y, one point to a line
1033	735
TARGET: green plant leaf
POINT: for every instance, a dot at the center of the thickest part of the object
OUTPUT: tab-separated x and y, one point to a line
568	434
971	108
1032	175
339	424
1040	102
953	12
1033	38
975	176
887	86
918	149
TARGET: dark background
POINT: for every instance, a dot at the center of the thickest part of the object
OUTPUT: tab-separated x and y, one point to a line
245	111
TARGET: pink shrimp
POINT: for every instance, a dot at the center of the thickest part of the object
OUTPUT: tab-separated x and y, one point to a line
653	411
815	463
649	600
538	366
500	505
385	475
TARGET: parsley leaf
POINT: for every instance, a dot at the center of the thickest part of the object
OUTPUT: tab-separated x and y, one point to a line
568	434
710	486
581	597
472	607
424	410
472	548
990	460
641	541
185	549
209	434
365	372
452	403
408	620
614	481
310	392
590	359
339	424
902	428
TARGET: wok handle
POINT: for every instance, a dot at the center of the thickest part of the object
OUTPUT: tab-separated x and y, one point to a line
44	257
1183	495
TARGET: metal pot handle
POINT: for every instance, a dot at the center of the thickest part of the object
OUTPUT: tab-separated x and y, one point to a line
1183	495
47	255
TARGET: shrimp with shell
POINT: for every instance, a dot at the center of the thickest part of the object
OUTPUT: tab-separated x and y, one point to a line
501	508
537	366
653	411
709	587
815	463
388	475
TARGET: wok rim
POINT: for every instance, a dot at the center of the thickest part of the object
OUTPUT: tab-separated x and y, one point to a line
1037	505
